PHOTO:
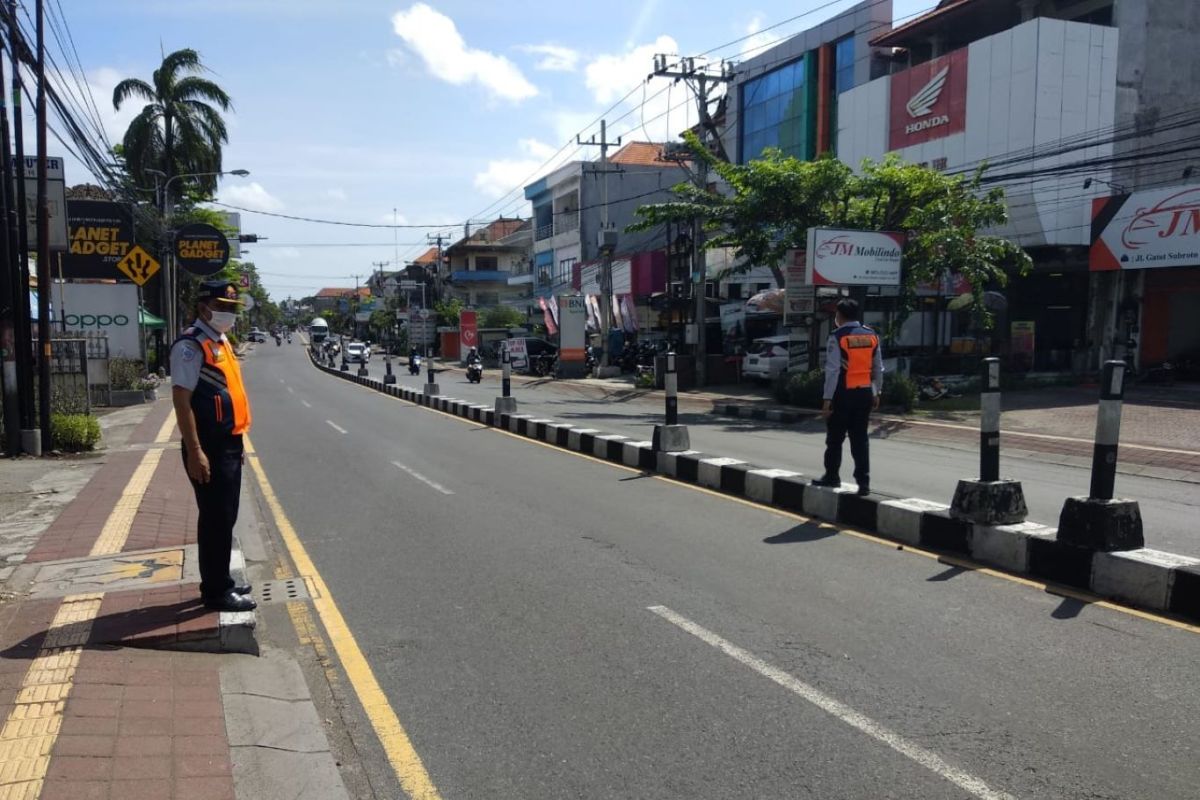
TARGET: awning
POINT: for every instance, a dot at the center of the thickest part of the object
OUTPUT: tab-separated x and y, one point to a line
148	320
479	276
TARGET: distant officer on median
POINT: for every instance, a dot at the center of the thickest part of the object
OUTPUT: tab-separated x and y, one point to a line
213	413
853	380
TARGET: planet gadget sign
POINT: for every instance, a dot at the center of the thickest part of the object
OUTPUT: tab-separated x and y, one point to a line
854	258
929	101
99	235
1156	228
201	249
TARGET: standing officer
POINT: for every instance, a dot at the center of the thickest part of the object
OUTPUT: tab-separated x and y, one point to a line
213	412
853	380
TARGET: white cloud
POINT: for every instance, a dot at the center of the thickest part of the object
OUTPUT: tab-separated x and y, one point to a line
101	82
395	57
504	175
251	196
759	40
435	38
337	195
555	58
610	77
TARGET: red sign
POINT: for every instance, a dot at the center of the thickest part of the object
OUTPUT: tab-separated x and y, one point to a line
1148	229
467	329
929	101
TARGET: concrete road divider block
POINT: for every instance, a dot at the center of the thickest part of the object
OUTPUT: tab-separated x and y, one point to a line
901	519
789	492
760	483
518	423
608	447
506	405
537	429
858	512
638	454
942	531
489	417
1061	563
580	439
710	471
1142	577
668	463
687	467
823	501
1185	593
1007	546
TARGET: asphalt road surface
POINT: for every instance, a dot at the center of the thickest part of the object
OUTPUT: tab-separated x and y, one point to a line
550	626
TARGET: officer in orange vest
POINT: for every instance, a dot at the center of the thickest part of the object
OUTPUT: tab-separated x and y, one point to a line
213	413
853	379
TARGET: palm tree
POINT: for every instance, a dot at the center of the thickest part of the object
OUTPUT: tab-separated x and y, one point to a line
180	130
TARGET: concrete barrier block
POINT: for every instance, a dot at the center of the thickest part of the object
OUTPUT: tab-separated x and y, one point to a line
1142	577
823	501
901	519
1006	546
687	467
943	531
760	483
733	478
489	417
858	512
668	463
1185	593
710	471
537	428
1061	563
633	454
576	436
601	446
789	492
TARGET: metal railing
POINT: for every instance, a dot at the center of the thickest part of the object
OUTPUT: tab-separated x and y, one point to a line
566	222
544	231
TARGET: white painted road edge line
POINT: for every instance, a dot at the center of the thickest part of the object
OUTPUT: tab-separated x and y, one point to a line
926	758
335	426
422	478
306	404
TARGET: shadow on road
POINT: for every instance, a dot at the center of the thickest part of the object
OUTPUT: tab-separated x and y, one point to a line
801	533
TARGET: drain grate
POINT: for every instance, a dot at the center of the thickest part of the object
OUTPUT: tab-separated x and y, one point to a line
286	590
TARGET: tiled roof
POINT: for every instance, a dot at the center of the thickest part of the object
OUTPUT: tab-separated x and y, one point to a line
363	291
640	153
428	257
897	36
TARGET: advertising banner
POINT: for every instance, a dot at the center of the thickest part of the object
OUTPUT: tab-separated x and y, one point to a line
100	234
572	325
468	330
1022	339
56	199
853	258
1143	230
799	297
110	308
201	249
929	101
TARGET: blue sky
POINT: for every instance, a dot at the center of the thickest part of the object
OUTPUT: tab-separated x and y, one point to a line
348	109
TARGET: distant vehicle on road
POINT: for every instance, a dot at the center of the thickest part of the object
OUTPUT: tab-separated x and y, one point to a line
257	335
318	330
355	352
766	358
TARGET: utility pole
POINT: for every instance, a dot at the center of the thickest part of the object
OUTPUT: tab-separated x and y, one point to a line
23	318
698	77
43	234
607	243
10	289
439	239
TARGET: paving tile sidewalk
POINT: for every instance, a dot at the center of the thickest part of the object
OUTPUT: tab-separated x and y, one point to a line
90	709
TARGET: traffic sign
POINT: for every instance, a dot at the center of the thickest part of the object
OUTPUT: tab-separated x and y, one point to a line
406	286
423	314
138	265
245	280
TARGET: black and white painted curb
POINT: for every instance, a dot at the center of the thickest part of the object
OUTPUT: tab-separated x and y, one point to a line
1152	579
779	415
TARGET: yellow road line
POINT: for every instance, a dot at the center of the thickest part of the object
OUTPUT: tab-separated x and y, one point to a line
401	754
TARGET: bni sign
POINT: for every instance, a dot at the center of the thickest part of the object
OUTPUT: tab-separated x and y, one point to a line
854	258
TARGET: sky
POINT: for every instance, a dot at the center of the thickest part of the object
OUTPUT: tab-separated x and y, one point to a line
418	113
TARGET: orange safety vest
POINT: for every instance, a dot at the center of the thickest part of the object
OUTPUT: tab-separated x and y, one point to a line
858	345
219	400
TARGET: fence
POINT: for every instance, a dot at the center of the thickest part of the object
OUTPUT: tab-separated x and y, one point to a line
95	350
69	388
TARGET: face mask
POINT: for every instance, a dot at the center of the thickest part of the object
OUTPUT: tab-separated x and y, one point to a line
222	321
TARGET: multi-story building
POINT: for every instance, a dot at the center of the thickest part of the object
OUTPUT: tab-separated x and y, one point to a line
491	266
338	299
1080	110
568	210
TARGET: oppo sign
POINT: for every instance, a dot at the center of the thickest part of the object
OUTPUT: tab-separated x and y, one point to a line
108	307
82	322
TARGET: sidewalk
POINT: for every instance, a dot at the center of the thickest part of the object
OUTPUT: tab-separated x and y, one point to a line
115	681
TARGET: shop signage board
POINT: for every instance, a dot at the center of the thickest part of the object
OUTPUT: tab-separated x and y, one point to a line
1144	230
56	201
100	235
929	101
201	249
109	308
853	258
572	327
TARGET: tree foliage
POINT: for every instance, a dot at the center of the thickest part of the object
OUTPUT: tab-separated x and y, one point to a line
501	317
447	310
180	129
773	201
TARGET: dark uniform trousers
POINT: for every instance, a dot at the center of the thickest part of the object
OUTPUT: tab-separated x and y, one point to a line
851	412
217	501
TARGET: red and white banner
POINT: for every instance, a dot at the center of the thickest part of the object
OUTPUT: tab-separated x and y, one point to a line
929	101
468	331
548	316
853	258
1144	230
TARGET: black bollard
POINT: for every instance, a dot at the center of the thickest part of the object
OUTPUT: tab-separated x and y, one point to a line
989	420
671	383
505	403
1108	431
671	437
990	500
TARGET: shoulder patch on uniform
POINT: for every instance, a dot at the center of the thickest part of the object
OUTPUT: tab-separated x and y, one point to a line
187	353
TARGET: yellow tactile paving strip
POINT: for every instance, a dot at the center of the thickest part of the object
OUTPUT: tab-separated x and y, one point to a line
32	726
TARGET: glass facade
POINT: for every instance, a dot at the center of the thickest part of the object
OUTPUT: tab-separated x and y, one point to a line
843	80
775	112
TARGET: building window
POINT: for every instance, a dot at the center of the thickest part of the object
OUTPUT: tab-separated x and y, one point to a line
775	113
761	287
735	291
565	268
491	263
843	65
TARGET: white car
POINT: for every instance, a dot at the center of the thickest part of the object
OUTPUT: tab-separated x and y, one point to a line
356	352
766	358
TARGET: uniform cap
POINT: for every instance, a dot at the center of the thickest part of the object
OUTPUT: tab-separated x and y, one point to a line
222	291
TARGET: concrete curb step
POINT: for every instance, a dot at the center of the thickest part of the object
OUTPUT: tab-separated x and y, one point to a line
779	415
1151	579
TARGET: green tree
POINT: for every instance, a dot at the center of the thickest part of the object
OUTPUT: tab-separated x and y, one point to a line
381	323
501	317
773	202
448	309
180	130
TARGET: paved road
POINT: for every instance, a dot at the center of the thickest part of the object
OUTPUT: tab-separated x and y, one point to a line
559	627
901	467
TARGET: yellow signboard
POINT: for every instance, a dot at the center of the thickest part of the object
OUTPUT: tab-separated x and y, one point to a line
138	265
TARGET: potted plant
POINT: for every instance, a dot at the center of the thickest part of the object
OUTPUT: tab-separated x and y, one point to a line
148	384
